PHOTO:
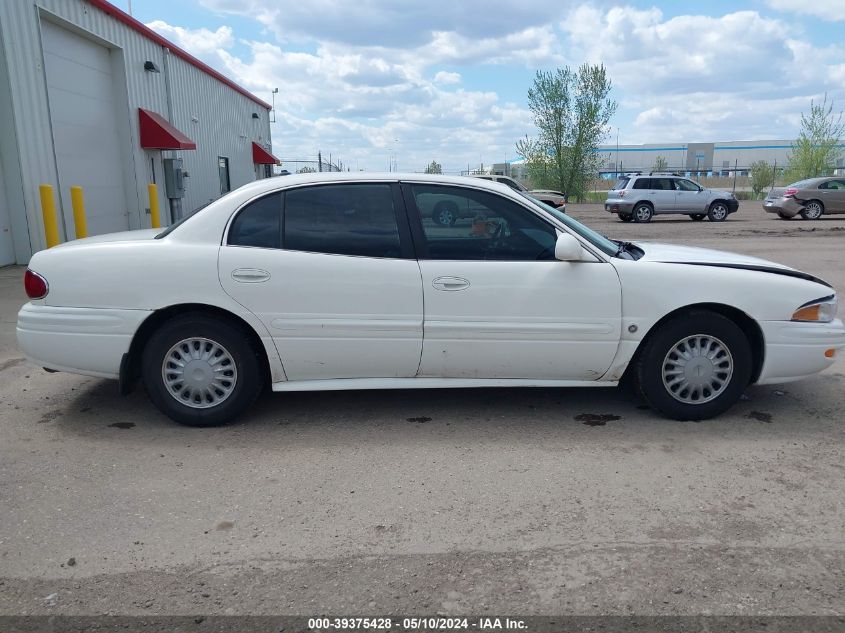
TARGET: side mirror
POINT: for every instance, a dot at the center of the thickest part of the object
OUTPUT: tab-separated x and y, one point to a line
567	248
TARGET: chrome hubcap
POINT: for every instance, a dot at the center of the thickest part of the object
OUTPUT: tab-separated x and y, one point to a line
199	373
697	369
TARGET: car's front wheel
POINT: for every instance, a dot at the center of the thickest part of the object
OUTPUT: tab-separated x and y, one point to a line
718	212
643	212
201	371
813	210
695	366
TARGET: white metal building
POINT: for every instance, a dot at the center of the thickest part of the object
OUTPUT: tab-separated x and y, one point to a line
89	96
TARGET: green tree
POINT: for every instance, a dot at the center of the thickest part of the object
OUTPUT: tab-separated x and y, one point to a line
762	176
571	110
660	164
434	168
816	149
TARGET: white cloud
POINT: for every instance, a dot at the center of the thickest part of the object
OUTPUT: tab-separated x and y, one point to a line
445	78
199	42
828	10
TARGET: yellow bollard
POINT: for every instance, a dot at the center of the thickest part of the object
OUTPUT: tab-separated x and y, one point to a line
48	212
78	203
155	215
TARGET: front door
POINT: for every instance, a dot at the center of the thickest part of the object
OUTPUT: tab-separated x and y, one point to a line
833	196
497	303
326	271
689	198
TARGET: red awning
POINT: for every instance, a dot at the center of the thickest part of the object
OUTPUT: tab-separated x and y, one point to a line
158	133
261	156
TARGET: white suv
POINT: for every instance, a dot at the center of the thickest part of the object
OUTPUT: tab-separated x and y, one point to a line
639	197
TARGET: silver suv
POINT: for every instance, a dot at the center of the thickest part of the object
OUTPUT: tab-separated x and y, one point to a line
639	197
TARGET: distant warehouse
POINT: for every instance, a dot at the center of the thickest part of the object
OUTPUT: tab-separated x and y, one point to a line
693	159
91	97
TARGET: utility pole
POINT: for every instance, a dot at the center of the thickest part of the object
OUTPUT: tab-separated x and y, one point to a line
736	165
617	152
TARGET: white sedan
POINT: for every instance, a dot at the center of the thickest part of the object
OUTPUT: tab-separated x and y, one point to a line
337	281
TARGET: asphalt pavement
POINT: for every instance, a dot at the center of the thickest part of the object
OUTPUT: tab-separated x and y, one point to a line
519	501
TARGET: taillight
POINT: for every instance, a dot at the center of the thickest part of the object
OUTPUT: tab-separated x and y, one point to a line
622	194
35	285
790	192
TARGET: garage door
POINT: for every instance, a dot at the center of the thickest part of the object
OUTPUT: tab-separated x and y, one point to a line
7	255
83	113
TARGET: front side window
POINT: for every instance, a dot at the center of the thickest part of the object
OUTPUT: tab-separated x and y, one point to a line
259	224
686	185
486	226
342	219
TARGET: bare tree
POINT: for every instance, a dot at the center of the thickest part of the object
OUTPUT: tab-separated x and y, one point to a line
660	164
434	168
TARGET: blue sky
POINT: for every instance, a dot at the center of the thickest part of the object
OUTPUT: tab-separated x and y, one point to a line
447	81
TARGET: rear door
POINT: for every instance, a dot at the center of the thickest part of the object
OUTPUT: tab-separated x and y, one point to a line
329	270
662	194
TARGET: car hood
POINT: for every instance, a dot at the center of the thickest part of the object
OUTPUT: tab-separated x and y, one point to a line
672	254
656	252
122	236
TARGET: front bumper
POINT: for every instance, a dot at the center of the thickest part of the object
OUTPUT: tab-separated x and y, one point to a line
795	350
733	205
89	341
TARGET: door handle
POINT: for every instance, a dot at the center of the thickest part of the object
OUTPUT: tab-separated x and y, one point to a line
450	284
250	275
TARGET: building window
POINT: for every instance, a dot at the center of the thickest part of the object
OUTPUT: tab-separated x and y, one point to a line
223	170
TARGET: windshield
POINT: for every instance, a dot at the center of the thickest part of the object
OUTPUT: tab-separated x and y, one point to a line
596	239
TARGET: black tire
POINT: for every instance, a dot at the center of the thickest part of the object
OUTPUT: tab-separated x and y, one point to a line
655	356
445	213
718	212
643	212
783	216
247	374
813	210
697	217
626	217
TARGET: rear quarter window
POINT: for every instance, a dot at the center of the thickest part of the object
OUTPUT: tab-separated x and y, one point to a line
621	184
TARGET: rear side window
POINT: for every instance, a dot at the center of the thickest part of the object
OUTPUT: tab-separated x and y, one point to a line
663	184
342	219
621	184
642	183
259	224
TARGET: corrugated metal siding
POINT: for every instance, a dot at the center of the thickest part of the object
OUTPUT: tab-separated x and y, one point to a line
225	126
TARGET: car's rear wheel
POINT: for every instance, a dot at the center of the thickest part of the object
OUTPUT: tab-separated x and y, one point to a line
698	217
783	216
643	212
718	212
694	366
201	371
626	217
813	210
445	213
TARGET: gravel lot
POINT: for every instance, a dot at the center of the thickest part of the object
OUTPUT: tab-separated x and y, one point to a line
418	502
